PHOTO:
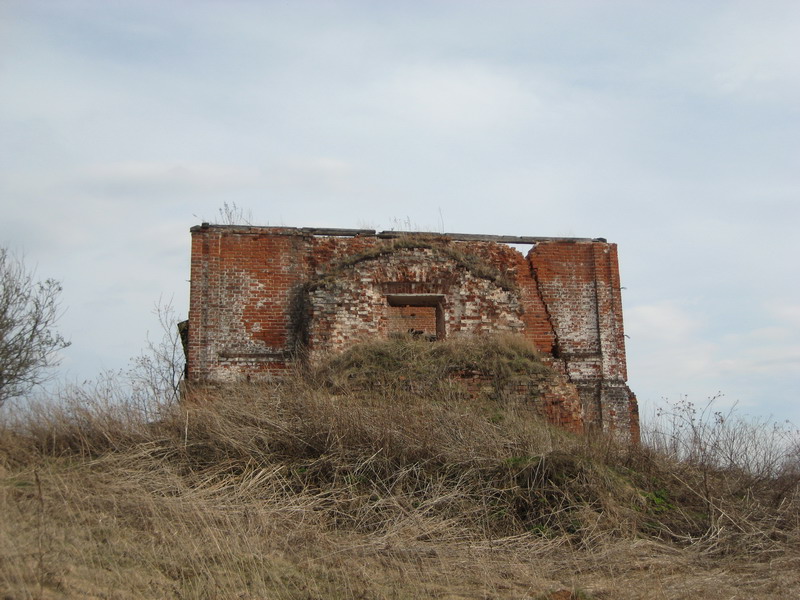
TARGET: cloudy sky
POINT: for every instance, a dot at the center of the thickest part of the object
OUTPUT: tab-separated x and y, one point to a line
670	128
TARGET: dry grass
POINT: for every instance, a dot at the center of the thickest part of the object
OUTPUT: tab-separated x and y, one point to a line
403	362
303	491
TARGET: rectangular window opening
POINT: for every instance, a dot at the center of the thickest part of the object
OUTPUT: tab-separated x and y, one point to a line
420	315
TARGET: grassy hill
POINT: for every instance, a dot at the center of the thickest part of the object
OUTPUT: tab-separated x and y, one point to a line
377	476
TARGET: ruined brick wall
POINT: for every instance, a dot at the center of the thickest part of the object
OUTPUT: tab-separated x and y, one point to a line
356	302
579	283
261	297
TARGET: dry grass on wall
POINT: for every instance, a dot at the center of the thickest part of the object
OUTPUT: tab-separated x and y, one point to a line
300	491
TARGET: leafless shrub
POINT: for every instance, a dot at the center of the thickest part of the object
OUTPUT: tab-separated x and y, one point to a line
743	470
156	375
708	437
29	343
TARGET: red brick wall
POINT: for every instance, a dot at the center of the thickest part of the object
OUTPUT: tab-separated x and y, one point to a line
260	296
348	304
407	319
242	282
579	283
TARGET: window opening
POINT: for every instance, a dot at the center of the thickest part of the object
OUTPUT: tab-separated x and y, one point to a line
421	315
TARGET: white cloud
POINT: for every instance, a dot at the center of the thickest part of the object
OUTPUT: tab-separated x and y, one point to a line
664	322
745	51
139	175
319	174
461	96
786	312
675	352
753	51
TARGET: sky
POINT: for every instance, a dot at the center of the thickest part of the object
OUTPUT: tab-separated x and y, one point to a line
670	128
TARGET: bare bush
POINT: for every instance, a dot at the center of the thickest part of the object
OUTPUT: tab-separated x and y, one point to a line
29	343
744	471
156	374
722	439
146	391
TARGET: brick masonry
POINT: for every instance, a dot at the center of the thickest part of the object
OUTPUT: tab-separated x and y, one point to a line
263	298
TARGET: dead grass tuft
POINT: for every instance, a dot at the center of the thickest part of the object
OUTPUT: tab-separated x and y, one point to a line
406	363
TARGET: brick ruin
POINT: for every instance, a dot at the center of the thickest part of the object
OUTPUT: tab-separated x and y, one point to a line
264	298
